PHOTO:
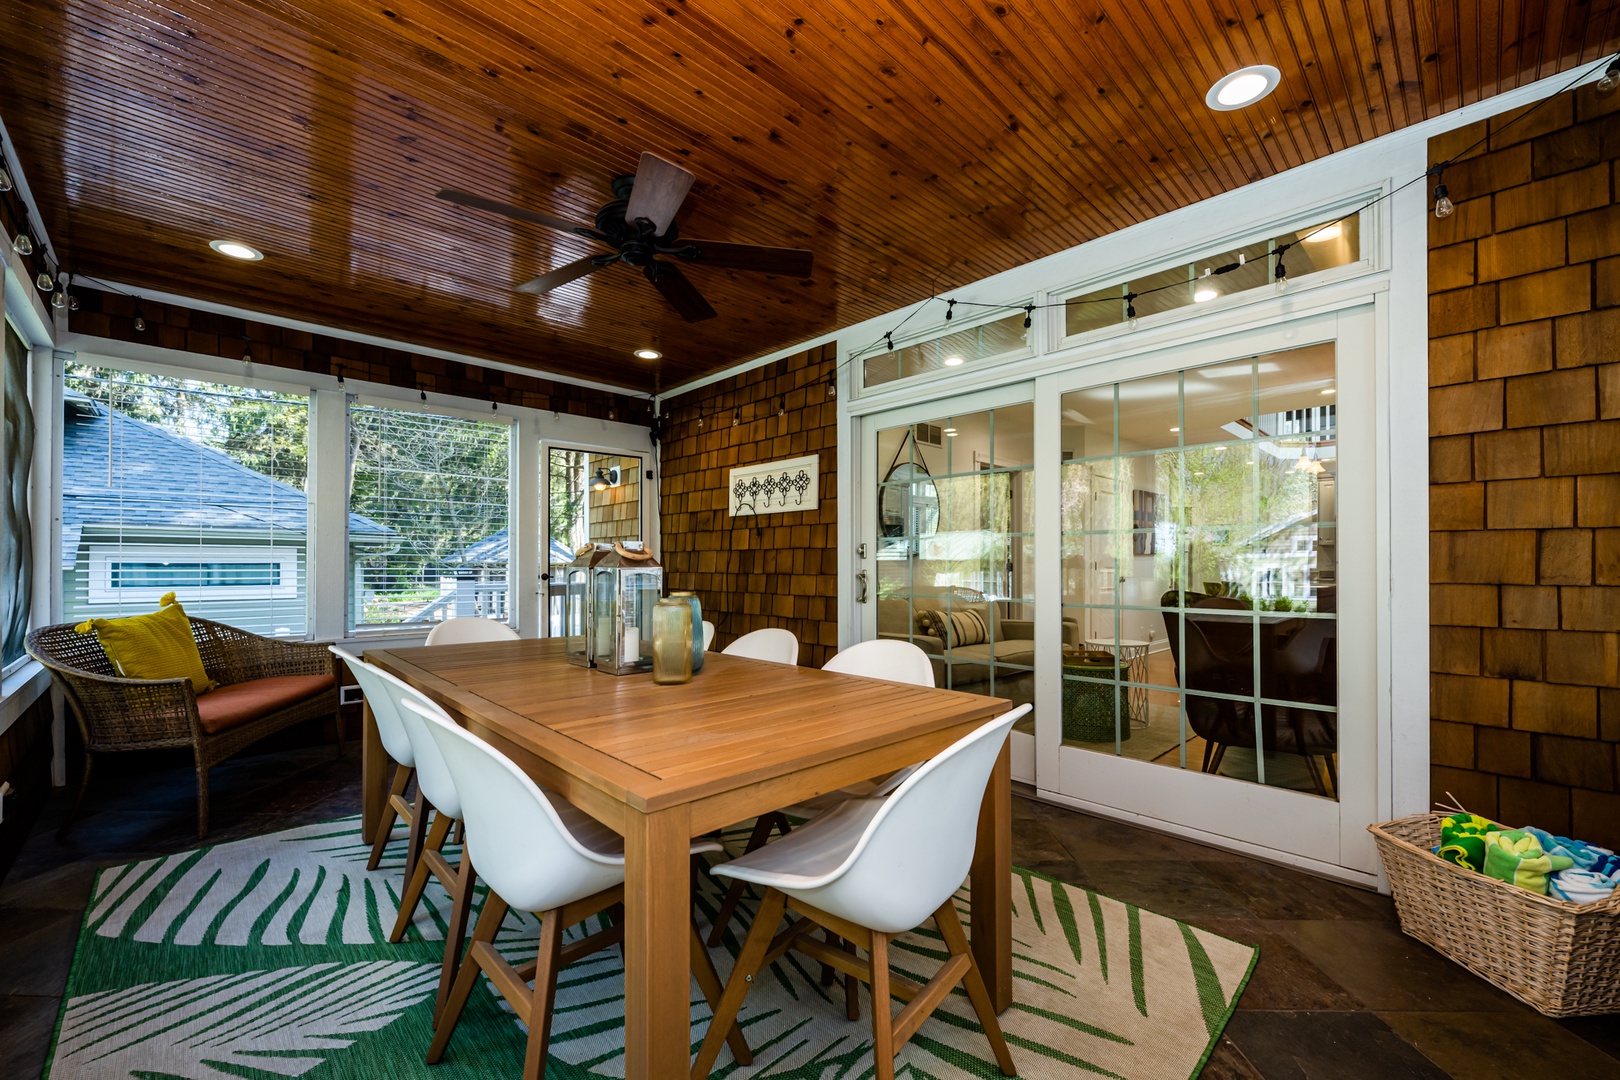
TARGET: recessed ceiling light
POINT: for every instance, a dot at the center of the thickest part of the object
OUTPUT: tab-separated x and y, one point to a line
1325	233
237	250
1205	292
1242	87
953	361
649	354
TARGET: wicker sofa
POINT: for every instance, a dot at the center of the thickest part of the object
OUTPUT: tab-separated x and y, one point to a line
265	685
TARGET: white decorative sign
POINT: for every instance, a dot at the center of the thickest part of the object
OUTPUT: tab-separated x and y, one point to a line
775	487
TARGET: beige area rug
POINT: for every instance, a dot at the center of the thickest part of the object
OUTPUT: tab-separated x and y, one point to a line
267	958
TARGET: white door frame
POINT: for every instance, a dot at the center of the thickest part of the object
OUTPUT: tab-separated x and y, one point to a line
535	612
1325	835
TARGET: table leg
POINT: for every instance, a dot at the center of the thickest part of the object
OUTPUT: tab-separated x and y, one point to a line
657	914
373	775
991	884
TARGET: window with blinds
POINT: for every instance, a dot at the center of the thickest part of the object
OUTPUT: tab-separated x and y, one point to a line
182	486
428	506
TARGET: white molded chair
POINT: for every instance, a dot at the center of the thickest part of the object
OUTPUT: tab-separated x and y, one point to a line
391	730
867	871
468	628
538	853
708	635
881	658
436	795
773	644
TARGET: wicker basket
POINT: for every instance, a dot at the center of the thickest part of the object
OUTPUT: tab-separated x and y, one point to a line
1560	958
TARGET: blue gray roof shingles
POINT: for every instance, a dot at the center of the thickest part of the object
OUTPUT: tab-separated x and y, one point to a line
160	480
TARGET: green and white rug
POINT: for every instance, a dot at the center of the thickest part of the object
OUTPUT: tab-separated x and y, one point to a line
268	957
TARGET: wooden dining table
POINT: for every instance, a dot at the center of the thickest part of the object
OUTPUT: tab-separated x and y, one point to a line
663	764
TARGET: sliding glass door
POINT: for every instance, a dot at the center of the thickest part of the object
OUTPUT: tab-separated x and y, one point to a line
590	497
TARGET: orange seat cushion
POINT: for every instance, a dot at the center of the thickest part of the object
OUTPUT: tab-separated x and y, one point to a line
234	705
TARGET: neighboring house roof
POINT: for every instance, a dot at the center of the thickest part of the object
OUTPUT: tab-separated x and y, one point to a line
496	548
168	482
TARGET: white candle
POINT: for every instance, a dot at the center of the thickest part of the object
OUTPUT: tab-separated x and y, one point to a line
632	644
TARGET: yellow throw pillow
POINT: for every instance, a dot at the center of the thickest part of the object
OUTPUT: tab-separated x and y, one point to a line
155	646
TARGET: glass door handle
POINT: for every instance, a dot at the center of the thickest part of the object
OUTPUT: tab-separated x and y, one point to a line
860	582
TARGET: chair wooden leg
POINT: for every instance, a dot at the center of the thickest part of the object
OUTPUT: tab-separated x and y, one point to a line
489	924
418	880
202	799
829	974
950	928
84	784
416	832
749	962
456	932
385	827
852	988
545	995
709	982
734	892
882	1010
337	720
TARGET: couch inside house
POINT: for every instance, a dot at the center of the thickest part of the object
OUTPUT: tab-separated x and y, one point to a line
1007	641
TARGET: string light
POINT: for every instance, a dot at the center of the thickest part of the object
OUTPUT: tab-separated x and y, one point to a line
1280	275
781	406
45	282
950	308
22	245
1605	85
1029	311
140	323
832	385
59	300
5	181
736	417
1443	206
1130	310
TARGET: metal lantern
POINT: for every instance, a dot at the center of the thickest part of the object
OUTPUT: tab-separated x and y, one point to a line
577	603
608	607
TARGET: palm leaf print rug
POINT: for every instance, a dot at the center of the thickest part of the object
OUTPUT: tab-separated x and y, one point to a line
268	957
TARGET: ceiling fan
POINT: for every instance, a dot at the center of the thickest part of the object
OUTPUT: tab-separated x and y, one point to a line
639	224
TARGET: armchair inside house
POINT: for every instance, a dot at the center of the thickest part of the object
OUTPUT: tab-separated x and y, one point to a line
1298	664
264	685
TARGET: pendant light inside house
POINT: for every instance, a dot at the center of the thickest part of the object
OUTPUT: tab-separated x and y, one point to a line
23	245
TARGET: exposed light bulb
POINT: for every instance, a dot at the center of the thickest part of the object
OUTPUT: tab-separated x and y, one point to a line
700	423
45	282
73	302
23	245
1204	293
1443	206
1130	311
736	417
954	361
5	181
59	300
1282	283
1605	85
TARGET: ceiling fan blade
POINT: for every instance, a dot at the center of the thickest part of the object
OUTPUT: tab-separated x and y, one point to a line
789	262
661	187
680	292
562	275
477	202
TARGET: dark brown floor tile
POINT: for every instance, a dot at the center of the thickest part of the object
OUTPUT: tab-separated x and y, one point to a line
1327	1046
26	1024
1276	892
1168	887
1283	979
1226	1062
1065	870
1102	838
1386	970
64	887
1602	1032
36	947
1480	1046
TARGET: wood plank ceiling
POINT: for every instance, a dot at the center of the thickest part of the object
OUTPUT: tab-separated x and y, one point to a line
904	142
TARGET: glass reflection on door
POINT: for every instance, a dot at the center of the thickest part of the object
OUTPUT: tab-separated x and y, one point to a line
1199	569
590	498
955	551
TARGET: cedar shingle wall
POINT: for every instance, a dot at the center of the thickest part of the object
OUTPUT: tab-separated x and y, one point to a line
777	570
1524	497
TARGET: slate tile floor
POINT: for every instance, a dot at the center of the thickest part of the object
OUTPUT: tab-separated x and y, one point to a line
1339	992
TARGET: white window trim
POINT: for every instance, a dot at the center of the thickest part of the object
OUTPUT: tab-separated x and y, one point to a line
100	590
